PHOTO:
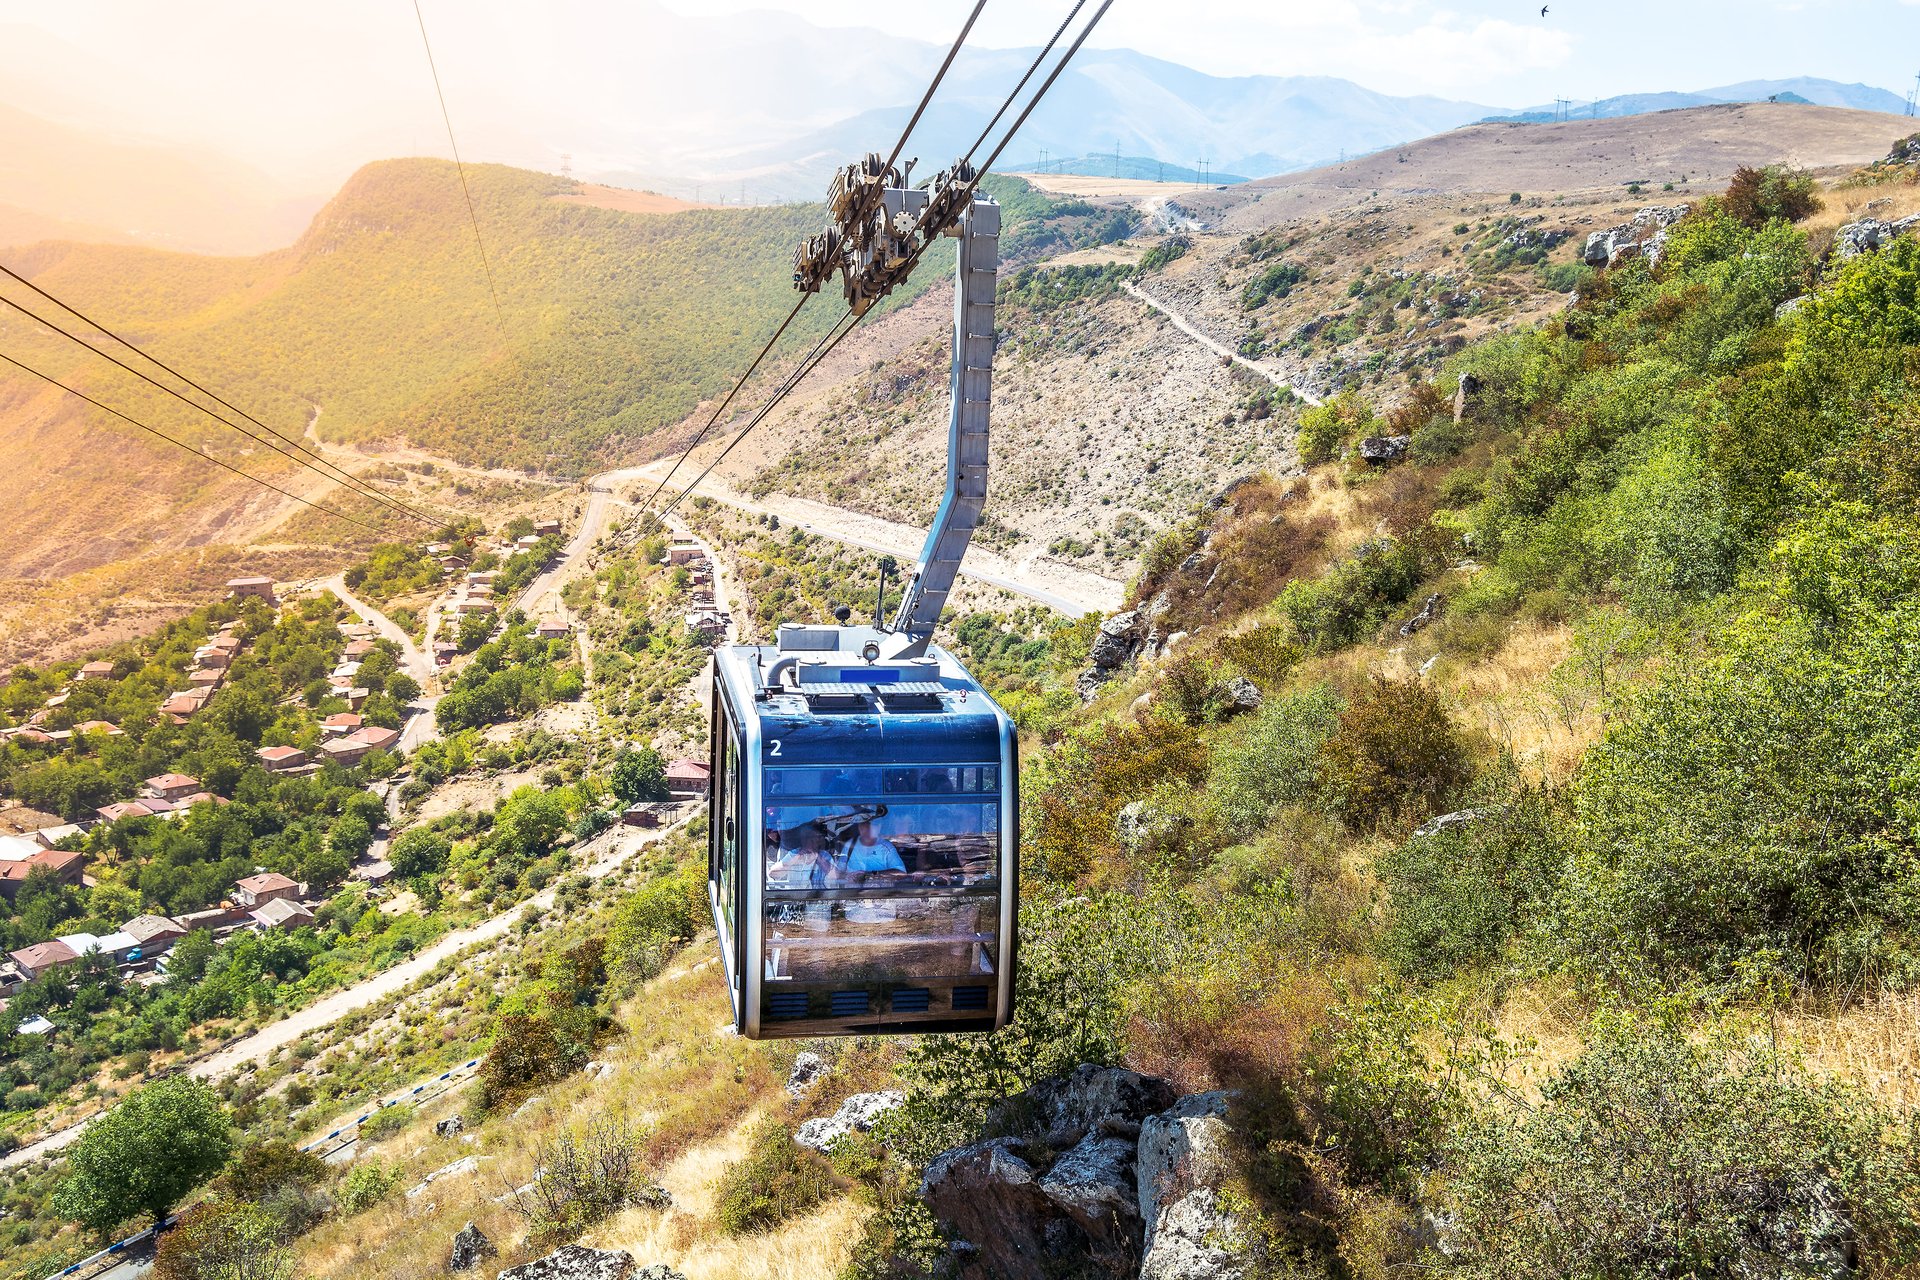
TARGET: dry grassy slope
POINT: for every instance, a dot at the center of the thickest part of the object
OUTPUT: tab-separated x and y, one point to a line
1702	144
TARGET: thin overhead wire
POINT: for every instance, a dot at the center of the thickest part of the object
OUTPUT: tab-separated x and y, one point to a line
465	190
819	354
722	407
1035	66
898	146
333	473
938	76
181	444
821	350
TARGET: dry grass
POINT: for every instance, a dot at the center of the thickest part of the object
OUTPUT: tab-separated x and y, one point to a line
1874	1044
685	1083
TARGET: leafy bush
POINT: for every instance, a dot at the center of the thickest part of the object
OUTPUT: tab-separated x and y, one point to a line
1756	197
1666	1157
1266	654
1270	759
585	1178
385	1122
658	917
776	1180
367	1184
1324	428
1352	598
1458	894
1277	281
1395	755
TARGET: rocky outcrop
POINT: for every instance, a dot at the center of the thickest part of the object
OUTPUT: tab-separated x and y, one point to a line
1065	1201
1429	611
1381	451
470	1248
452	1126
1181	1164
1242	695
1448	821
1118	641
575	1262
1870	234
807	1070
857	1114
1646	233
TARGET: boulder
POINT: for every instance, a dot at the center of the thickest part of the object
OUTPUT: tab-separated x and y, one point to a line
1183	1159
1598	249
452	1126
470	1247
1429	611
1110	1101
1448	821
1861	237
807	1070
459	1168
1379	451
857	1114
1790	306
1089	682
575	1262
1242	695
1014	1225
1115	643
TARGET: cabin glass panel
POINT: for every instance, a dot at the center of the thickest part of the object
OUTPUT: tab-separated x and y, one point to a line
886	875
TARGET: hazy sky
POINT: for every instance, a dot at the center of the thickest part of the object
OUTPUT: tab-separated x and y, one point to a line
1497	52
307	91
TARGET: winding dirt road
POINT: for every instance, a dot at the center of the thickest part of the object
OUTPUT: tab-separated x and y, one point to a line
1219	348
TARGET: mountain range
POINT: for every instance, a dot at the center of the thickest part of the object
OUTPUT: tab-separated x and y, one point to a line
765	114
1823	93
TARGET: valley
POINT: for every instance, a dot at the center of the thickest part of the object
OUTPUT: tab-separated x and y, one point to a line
1456	606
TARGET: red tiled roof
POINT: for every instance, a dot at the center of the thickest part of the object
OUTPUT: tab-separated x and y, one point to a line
265	882
55	860
171	781
277	754
342	719
42	954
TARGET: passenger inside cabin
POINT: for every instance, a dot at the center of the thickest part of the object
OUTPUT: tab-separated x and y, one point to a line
806	863
868	852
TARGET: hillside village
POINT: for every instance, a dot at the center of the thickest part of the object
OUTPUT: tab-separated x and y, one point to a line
1461	552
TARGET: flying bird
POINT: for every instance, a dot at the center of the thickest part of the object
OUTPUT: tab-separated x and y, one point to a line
1543	10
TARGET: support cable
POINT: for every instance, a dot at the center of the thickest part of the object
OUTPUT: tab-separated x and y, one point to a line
181	444
1035	66
938	76
340	475
819	354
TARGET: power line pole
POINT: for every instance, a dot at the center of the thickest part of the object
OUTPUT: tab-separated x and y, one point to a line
1913	96
1116	159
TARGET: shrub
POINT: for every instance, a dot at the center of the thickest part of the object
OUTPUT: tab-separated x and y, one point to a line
1395	755
1325	427
527	1049
776	1180
1459	893
1277	281
1352	598
1270	759
385	1122
585	1179
1667	1157
367	1184
656	918
1079	785
225	1240
1438	440
1758	196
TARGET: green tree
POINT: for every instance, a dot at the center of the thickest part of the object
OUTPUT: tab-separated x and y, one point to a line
640	774
419	851
158	1144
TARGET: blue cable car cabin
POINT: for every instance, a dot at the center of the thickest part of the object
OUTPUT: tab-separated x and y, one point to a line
863	839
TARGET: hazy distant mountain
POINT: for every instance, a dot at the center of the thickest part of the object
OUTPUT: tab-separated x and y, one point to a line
61	181
1824	93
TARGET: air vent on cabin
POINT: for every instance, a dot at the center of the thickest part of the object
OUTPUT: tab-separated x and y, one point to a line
969	998
911	999
786	1004
847	1004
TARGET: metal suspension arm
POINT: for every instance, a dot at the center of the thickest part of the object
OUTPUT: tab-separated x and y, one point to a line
976	274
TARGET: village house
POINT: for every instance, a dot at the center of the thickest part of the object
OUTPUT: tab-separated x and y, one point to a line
154	934
438	548
255	588
483	575
281	759
42	956
107	727
256	890
474	604
707	623
357	649
212	657
212	918
126	809
688	777
170	787
48	837
340	722
209	679
281	913
65	866
379	737
96	671
527	543
356	697
552	629
544	528
685	553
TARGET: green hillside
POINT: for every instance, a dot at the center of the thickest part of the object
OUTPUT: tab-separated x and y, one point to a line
610	324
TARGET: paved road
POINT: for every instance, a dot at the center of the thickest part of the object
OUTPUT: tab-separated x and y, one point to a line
621	844
1181	323
1070	591
601	503
420	726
